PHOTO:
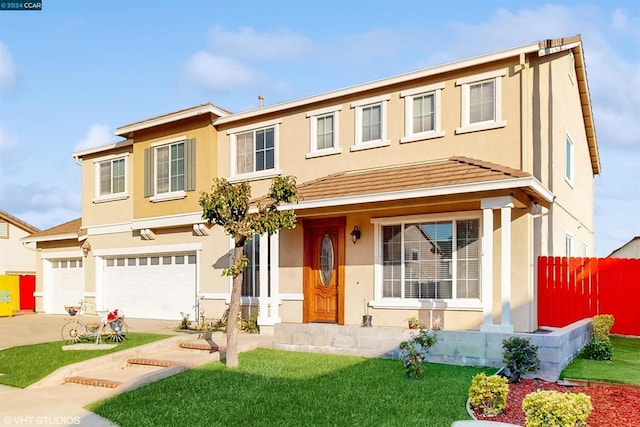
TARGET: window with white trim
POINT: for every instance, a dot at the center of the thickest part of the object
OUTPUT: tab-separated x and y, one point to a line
111	177
254	150
568	159
4	229
251	273
371	123
422	113
585	249
568	243
169	169
323	132
430	259
481	101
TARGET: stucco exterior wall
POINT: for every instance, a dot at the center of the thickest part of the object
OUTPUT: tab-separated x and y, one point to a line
16	257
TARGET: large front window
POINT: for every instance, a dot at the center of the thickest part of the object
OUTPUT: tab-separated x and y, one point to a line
431	260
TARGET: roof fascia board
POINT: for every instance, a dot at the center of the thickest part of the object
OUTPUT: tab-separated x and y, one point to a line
168	118
427	72
51	238
119	144
514	183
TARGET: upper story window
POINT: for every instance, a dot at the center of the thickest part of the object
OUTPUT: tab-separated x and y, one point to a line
4	229
422	113
254	150
424	259
568	243
324	132
481	101
110	178
568	159
371	123
169	169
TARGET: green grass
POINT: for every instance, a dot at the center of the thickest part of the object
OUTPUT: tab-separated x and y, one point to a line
280	388
25	365
624	368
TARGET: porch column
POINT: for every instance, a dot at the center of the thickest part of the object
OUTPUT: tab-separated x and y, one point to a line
274	271
505	204
269	290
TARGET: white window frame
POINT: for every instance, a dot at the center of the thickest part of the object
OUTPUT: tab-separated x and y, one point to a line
569	159
359	106
267	173
169	195
472	304
4	229
98	198
409	96
313	117
568	244
466	83
585	249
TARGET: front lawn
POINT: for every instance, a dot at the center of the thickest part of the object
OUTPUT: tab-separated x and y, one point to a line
280	388
624	368
24	365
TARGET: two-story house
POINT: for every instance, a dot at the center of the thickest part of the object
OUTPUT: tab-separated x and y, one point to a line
430	193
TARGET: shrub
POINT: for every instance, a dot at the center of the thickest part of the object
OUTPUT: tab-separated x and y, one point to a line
602	325
250	324
414	352
185	323
519	357
552	408
489	394
597	349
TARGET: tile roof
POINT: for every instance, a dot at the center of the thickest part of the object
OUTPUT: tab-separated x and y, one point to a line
71	227
441	173
18	222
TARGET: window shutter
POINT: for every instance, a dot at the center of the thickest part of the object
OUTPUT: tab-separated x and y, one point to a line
148	172
190	164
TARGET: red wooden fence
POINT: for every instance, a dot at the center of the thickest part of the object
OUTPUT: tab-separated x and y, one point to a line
570	289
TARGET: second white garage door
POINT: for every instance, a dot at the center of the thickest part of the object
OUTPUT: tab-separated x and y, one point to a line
151	287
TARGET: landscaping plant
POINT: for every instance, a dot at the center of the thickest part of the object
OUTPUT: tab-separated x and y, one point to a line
599	347
414	352
519	357
553	408
489	394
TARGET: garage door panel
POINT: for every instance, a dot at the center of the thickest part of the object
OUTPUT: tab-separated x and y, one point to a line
64	286
151	287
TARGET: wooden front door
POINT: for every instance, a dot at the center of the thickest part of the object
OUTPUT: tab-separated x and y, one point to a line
324	270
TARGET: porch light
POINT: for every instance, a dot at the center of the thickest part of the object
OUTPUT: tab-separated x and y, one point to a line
355	234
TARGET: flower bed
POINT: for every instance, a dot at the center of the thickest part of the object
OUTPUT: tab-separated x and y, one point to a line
612	405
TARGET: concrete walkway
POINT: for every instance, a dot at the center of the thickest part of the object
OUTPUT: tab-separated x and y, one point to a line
52	401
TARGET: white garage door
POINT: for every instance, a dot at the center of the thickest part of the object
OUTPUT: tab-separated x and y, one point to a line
152	286
64	286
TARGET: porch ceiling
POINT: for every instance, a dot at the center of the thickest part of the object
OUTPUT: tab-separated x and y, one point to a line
456	175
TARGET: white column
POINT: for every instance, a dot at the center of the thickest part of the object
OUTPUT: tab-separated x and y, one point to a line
274	244
263	304
487	267
505	262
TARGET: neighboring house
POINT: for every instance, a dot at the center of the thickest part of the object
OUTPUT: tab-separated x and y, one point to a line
16	258
429	192
631	249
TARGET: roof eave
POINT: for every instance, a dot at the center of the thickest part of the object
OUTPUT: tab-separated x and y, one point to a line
50	238
426	72
118	144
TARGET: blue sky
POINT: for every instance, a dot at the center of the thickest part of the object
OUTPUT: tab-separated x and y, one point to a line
73	72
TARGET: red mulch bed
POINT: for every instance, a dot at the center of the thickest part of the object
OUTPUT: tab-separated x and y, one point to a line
612	405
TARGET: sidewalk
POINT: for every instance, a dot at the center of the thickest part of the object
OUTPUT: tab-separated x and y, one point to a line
52	401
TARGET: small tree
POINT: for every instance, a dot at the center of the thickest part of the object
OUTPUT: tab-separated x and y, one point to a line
228	206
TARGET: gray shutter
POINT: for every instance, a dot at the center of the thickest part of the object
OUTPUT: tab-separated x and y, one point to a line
148	172
190	164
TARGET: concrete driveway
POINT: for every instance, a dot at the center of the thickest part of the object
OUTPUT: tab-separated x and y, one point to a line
26	329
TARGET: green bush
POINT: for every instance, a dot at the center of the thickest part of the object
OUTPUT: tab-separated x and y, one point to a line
414	352
552	408
519	357
602	325
489	394
597	349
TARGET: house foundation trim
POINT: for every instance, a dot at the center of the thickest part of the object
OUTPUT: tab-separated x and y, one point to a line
505	204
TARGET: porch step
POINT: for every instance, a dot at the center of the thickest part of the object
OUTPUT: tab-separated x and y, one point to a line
151	362
96	382
211	348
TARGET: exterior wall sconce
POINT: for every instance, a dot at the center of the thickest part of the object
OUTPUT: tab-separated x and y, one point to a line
355	234
86	247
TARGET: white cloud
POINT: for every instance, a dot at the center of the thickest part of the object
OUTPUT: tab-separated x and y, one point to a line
7	139
247	44
97	135
221	73
7	68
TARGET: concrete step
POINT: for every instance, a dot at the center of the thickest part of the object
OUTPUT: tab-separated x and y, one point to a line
204	346
95	382
151	362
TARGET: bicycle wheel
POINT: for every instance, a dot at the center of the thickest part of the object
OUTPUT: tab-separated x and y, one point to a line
118	332
73	331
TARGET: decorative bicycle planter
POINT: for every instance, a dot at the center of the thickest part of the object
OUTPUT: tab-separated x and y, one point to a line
111	326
